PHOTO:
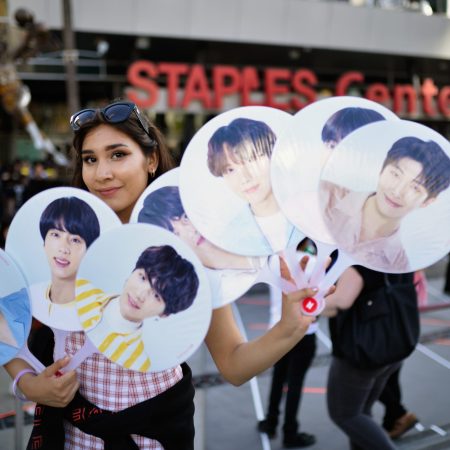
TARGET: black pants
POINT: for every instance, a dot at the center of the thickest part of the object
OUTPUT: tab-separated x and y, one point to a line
351	392
391	398
290	369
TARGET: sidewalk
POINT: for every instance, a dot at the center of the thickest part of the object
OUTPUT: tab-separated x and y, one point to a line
230	421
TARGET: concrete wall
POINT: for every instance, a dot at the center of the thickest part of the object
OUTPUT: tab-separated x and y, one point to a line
311	23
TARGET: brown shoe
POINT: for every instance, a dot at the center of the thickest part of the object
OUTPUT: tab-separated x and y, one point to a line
402	425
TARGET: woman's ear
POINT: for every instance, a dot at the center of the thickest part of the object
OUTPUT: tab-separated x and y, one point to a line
153	161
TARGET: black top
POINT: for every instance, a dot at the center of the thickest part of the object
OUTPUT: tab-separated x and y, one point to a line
371	281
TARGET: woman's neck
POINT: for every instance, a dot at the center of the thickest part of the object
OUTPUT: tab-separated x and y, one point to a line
62	291
373	224
125	215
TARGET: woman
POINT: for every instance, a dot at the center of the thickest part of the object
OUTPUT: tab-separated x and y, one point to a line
352	390
118	153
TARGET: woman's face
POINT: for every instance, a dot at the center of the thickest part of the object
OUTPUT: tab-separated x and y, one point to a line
64	252
139	300
115	169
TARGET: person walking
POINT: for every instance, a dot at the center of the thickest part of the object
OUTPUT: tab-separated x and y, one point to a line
353	387
290	370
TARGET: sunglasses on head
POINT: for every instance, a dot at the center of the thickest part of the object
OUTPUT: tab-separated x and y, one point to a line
113	113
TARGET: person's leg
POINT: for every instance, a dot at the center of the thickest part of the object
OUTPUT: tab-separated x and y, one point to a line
379	382
279	371
276	389
350	394
397	420
299	363
391	399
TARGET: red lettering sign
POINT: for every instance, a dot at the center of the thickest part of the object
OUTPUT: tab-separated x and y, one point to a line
226	81
149	87
274	86
302	82
405	92
428	91
250	82
197	88
346	80
378	92
444	101
282	88
173	73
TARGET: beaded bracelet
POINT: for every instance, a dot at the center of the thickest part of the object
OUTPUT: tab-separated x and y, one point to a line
19	395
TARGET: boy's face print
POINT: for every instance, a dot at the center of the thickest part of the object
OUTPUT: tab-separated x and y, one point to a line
183	228
139	300
64	252
249	179
400	190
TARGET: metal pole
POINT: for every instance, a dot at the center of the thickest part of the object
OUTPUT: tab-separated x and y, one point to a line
18	432
70	59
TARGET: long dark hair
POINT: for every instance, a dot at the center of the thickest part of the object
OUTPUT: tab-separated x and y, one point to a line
132	128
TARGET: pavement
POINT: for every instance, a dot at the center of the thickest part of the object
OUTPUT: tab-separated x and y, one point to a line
226	415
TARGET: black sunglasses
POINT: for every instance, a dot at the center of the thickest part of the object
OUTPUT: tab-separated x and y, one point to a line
113	113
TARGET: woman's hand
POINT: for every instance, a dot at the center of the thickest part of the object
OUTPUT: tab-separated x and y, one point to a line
238	360
50	387
292	321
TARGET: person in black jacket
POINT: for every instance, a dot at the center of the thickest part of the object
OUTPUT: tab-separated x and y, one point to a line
352	390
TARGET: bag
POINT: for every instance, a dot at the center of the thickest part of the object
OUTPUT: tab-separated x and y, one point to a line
382	327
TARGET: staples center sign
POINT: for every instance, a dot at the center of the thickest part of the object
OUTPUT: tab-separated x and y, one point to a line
289	90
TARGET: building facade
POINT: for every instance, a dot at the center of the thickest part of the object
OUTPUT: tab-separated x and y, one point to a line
186	60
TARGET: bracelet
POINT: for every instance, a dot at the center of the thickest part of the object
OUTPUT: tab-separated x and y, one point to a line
15	386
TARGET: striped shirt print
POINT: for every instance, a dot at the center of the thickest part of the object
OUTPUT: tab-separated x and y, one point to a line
126	349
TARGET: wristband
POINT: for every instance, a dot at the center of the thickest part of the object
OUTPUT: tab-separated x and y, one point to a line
19	395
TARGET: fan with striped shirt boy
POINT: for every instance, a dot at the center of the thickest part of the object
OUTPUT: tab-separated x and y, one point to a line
161	283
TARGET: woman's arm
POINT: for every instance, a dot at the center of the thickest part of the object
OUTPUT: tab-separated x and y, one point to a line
238	360
348	288
49	387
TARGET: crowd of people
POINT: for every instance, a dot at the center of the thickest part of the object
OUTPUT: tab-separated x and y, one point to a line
19	181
